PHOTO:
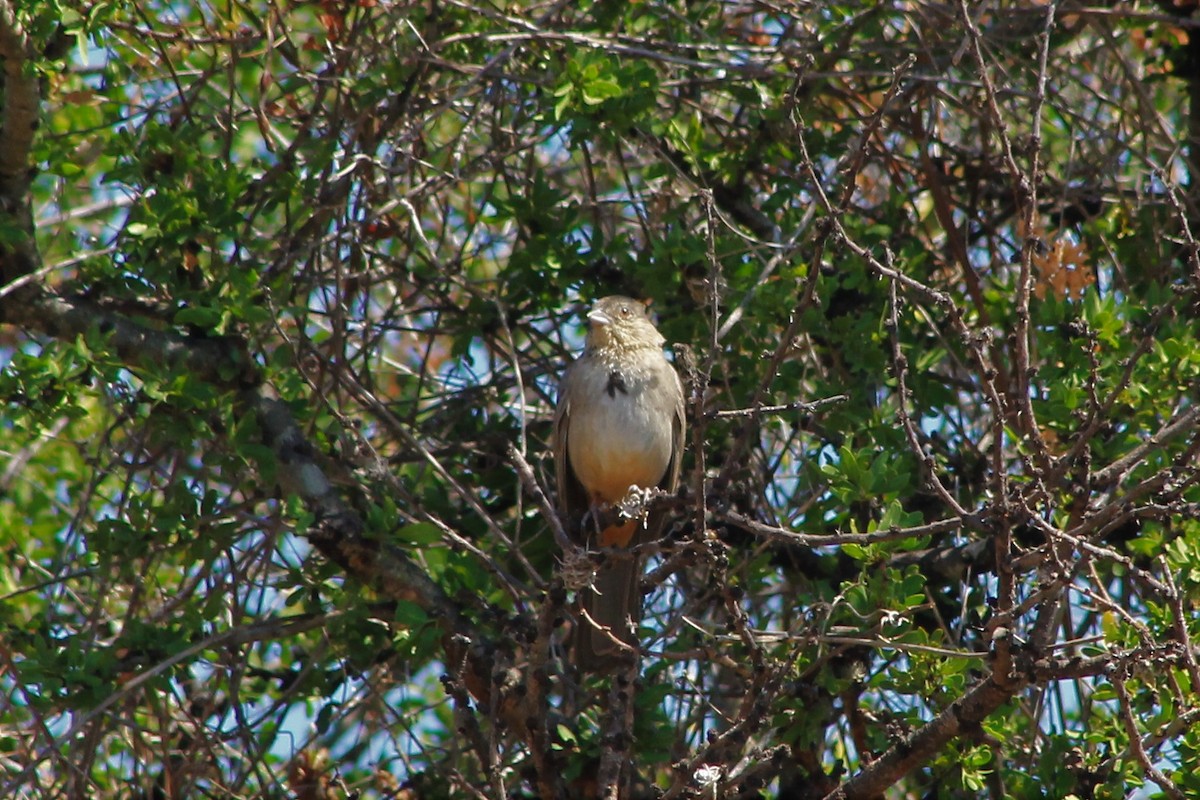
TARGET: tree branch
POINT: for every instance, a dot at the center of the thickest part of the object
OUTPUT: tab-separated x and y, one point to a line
962	716
340	532
18	121
21	100
218	359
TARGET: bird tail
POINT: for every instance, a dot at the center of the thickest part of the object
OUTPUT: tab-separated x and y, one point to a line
614	602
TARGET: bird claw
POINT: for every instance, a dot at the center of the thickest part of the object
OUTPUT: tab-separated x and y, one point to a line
636	502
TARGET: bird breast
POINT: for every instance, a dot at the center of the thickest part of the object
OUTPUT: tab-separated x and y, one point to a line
624	436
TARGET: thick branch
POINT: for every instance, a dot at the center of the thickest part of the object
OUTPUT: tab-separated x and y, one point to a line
962	716
966	715
340	532
21	98
18	121
216	359
342	537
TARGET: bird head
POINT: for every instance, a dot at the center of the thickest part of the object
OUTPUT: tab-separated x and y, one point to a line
621	322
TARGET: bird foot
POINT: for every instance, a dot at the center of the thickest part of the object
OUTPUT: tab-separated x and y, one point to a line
636	502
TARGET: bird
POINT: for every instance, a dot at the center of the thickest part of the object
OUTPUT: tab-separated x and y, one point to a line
619	423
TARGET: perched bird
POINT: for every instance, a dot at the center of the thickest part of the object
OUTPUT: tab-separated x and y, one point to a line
619	424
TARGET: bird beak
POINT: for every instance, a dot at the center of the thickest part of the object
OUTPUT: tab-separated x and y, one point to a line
597	317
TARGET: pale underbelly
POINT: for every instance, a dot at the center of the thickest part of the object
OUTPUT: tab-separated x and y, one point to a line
617	445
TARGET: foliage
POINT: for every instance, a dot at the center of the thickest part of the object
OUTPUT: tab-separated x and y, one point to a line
284	292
